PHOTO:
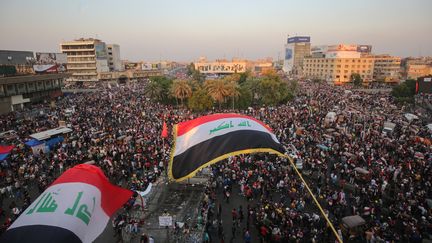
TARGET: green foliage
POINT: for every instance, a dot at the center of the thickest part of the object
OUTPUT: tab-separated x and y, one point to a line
7	70
159	89
404	92
356	79
200	100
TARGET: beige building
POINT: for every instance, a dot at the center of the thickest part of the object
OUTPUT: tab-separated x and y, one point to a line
387	68
296	49
85	58
338	70
418	67
220	66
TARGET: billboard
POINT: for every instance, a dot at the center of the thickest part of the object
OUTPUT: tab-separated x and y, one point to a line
298	39
289	58
342	47
101	51
50	62
146	66
221	67
364	48
319	49
131	66
342	54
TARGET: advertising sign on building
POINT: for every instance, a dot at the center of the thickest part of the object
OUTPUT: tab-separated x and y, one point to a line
131	66
364	48
50	62
298	39
342	47
146	66
289	58
101	51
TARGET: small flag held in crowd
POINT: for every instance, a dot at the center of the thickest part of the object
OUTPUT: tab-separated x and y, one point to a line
164	130
5	151
75	208
209	139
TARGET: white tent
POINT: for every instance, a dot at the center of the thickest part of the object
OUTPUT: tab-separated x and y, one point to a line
410	117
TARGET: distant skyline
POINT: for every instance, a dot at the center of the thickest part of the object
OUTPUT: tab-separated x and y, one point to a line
186	30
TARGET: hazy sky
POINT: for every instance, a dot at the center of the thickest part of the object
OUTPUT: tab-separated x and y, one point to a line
184	30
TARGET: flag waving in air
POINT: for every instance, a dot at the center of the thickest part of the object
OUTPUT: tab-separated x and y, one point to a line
75	208
164	133
206	140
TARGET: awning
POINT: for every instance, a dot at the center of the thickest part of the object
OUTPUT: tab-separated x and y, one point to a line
50	133
33	142
353	221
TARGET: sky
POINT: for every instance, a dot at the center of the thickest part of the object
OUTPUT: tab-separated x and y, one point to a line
184	30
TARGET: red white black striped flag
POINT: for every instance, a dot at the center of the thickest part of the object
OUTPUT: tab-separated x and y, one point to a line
75	208
209	139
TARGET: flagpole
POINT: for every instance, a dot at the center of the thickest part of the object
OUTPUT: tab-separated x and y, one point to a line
315	200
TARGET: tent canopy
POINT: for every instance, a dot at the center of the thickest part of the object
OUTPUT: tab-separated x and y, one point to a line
353	221
33	142
50	133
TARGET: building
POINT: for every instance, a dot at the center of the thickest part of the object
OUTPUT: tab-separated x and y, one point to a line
19	83
220	66
114	61
16	62
415	68
337	69
296	49
86	58
128	75
387	68
259	67
18	91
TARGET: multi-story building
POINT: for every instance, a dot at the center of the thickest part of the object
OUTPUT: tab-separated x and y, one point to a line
114	62
296	49
338	70
19	85
85	57
417	67
387	68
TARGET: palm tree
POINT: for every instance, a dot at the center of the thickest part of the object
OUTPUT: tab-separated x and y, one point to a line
181	89
153	90
233	91
217	89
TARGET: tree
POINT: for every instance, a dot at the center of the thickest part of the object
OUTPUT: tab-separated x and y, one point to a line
244	76
405	91
217	89
356	79
200	100
233	91
273	90
154	91
165	84
180	89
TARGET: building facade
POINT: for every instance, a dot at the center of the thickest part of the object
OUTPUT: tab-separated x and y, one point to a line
220	66
387	68
85	58
18	91
415	68
114	62
16	62
296	49
338	70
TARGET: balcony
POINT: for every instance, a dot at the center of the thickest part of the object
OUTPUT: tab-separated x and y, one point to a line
81	68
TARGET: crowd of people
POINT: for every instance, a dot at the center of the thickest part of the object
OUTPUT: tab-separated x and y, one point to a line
352	166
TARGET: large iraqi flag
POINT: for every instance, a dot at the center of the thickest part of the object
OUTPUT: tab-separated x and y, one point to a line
75	208
206	140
